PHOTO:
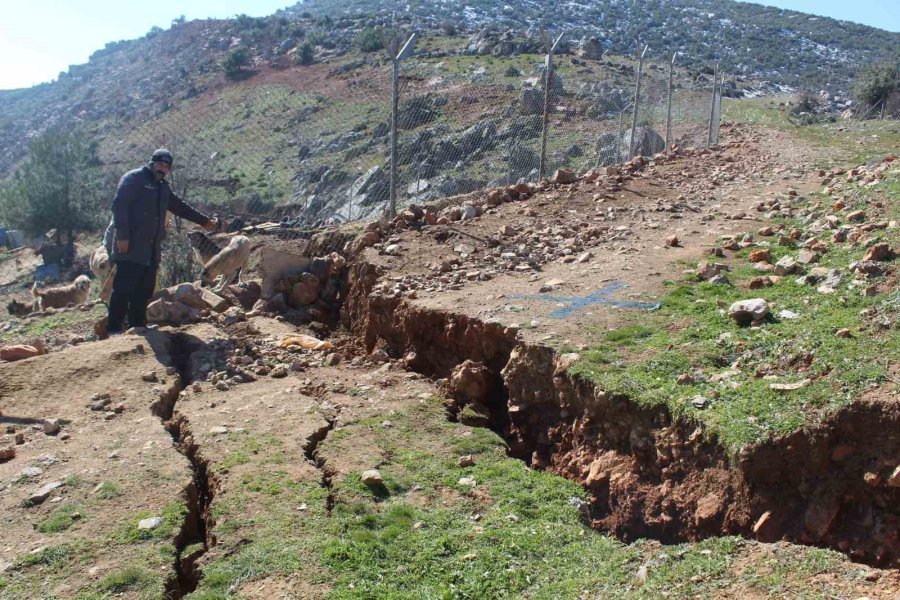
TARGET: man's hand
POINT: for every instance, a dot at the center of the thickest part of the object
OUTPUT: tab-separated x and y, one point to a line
123	246
211	225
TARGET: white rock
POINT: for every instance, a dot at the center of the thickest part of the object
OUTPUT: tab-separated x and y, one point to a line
745	312
149	523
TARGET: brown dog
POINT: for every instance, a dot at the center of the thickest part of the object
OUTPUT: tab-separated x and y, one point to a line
59	297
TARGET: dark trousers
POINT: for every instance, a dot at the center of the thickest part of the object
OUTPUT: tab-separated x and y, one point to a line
132	288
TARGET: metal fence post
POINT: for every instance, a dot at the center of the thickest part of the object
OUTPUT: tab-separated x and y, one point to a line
619	137
712	106
669	102
548	80
637	101
719	111
396	59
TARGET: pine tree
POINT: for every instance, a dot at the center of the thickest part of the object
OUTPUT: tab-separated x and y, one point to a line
58	187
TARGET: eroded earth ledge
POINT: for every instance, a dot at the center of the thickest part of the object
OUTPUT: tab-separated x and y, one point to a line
649	474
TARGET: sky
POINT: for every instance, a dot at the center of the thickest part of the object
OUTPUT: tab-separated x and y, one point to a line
40	38
884	14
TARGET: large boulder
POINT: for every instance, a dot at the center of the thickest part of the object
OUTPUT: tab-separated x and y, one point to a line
531	102
591	48
646	141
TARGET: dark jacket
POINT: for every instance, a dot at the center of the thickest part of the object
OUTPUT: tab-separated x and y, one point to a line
139	214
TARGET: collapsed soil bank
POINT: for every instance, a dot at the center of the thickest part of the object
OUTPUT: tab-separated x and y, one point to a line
649	474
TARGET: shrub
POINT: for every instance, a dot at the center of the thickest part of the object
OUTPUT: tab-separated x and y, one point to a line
235	62
876	83
306	54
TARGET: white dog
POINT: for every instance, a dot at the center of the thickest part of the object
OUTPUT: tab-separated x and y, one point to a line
59	297
228	263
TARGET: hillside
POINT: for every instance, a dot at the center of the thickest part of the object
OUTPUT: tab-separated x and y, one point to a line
787	47
311	140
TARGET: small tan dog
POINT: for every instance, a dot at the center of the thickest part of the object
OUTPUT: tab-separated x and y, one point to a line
228	262
59	297
104	270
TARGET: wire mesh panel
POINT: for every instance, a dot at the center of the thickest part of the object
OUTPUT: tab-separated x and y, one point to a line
301	148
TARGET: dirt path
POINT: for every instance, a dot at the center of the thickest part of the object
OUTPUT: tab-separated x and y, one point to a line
698	199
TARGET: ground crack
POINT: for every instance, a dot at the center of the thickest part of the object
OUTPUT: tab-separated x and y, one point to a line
311	450
195	536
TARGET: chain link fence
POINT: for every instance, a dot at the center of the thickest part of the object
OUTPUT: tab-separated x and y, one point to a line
296	151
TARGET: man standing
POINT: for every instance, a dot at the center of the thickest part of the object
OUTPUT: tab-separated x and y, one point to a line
139	219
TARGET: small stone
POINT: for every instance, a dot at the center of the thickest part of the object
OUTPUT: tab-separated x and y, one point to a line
387	424
564	176
150	377
843	333
7	453
747	312
222	386
672	241
879	252
333	359
372	478
765	232
149	523
789	387
762	255
218	430
699	402
51	426
856	216
587	256
764	529
786	266
20	438
685	379
467	481
466	461
807	257
279	372
43	493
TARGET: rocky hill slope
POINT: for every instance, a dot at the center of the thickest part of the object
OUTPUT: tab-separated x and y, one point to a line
270	131
785	46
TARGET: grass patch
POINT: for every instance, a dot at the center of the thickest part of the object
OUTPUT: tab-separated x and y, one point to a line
45	325
61	519
128	579
50	557
732	368
851	141
108	490
173	515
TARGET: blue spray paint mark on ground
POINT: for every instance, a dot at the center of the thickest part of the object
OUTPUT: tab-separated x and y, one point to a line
601	296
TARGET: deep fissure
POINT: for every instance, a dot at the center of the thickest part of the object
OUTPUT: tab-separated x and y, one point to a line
648	474
195	534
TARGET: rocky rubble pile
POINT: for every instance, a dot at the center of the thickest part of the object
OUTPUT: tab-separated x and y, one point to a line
528	241
848	221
